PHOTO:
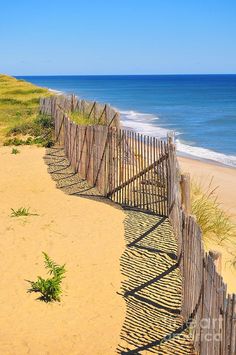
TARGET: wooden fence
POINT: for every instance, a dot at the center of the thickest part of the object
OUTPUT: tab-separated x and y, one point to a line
129	168
206	307
142	172
99	114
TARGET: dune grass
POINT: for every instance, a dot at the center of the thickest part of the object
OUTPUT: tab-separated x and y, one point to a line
83	120
19	103
38	131
20	122
22	212
213	220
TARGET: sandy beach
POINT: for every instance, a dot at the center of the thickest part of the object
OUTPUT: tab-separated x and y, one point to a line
225	179
89	318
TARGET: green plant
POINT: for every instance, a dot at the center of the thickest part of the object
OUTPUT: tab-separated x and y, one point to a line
19	104
14	141
49	288
214	222
15	151
25	91
11	101
84	119
21	212
44	121
39	132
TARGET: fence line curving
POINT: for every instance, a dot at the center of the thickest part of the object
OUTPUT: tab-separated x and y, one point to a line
142	172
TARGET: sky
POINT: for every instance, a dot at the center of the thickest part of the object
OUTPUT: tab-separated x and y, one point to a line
88	37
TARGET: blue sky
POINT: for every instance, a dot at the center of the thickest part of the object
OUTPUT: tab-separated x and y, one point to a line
117	37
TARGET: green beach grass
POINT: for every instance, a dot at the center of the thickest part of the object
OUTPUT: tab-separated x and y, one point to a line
83	120
215	223
19	116
20	121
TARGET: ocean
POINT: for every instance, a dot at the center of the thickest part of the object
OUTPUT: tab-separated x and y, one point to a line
200	109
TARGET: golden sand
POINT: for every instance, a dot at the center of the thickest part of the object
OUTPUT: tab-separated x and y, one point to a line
86	235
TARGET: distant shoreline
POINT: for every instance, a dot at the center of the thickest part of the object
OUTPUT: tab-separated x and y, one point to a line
204	160
200	108
179	153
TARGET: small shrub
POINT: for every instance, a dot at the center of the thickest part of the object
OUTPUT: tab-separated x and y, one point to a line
49	288
48	143
44	121
40	131
29	141
21	128
22	211
13	141
15	151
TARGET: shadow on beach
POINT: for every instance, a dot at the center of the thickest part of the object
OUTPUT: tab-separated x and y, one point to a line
150	269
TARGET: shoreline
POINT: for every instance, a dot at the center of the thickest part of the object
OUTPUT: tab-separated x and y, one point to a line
203	160
181	153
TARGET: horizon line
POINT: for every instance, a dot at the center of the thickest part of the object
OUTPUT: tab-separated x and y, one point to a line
179	74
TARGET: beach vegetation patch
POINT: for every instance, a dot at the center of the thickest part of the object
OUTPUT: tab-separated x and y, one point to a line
17	141
10	101
25	91
215	223
84	119
49	288
36	127
15	151
22	212
40	141
19	104
39	131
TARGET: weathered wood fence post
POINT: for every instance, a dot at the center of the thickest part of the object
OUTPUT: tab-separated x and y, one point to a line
185	193
217	258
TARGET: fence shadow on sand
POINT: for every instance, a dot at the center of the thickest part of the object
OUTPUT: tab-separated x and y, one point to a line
150	266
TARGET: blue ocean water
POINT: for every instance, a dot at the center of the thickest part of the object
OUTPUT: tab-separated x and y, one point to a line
201	109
